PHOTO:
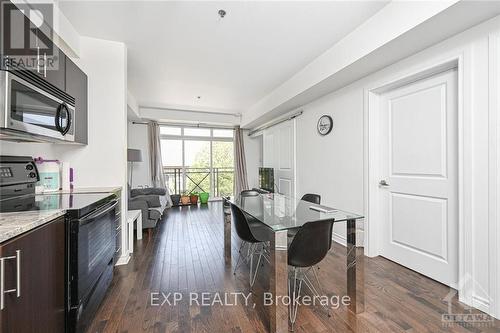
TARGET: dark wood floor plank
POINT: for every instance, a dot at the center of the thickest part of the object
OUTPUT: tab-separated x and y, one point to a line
185	254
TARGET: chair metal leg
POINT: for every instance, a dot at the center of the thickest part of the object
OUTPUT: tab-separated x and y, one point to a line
252	250
252	278
294	304
239	258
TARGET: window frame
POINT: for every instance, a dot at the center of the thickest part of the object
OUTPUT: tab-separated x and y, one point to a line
210	139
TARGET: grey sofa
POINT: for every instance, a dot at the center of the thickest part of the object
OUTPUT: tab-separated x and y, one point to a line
151	203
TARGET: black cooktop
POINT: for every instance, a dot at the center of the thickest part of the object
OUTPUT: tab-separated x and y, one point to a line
76	204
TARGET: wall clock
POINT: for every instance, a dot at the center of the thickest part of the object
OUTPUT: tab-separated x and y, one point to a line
325	124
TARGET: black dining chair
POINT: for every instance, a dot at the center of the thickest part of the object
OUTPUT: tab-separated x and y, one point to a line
250	199
255	246
309	246
309	197
249	193
313	198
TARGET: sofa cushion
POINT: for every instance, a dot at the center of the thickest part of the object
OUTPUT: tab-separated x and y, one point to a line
148	191
154	214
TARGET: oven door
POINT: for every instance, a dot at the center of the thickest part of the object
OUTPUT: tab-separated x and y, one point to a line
92	247
32	110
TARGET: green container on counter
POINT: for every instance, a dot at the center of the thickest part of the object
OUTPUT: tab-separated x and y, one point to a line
204	197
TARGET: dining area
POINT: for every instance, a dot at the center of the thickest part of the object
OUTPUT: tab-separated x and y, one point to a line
291	236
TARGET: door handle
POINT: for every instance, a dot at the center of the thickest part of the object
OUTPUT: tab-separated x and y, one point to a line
2	278
383	183
45	65
38	59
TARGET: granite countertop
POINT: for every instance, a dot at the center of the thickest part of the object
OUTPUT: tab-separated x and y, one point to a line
14	224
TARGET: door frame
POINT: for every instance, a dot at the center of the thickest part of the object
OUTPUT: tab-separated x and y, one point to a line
373	223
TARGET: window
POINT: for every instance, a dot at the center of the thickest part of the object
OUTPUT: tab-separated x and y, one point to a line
223	133
198	159
171	153
170	130
192	131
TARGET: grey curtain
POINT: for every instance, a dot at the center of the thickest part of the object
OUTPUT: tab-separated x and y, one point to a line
155	159
240	165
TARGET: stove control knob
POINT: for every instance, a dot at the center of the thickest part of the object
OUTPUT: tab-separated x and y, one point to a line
32	175
29	166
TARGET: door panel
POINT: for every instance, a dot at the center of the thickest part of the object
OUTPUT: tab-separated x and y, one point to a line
408	120
419	164
279	154
410	224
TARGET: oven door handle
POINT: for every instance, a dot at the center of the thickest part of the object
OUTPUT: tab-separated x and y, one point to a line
100	212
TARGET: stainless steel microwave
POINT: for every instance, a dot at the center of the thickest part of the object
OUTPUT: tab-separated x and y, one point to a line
31	112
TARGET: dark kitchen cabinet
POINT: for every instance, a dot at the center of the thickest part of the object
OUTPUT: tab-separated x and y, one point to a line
56	69
30	50
38	256
76	86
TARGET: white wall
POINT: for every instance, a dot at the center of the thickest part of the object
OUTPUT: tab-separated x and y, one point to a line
103	162
334	166
138	139
253	156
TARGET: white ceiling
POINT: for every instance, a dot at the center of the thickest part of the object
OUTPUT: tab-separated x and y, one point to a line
180	50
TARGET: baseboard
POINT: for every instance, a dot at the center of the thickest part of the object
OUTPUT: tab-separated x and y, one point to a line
123	260
339	239
343	241
481	303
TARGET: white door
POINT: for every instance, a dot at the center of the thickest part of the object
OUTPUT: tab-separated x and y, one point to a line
419	161
279	153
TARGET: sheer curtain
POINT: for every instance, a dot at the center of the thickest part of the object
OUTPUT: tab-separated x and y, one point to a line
240	165
155	159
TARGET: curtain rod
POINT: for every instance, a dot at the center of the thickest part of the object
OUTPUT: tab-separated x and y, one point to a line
274	122
186	125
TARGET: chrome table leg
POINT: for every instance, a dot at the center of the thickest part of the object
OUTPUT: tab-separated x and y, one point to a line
355	271
227	233
278	311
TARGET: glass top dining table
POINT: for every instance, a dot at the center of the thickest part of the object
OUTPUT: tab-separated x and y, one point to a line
281	214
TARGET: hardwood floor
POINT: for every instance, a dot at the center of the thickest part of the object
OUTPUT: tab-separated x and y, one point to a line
185	254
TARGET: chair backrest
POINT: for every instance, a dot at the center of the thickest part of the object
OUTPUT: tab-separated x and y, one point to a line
249	193
311	243
241	225
314	198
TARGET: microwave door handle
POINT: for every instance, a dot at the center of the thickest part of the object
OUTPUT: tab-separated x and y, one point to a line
98	213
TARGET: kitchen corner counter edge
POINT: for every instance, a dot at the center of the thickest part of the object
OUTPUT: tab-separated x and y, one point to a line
17	223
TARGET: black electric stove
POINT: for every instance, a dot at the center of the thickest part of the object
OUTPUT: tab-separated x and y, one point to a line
90	234
76	204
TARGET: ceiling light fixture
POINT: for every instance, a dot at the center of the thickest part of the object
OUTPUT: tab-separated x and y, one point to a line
222	13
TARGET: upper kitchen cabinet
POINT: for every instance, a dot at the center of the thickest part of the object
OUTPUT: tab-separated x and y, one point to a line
54	67
29	50
76	86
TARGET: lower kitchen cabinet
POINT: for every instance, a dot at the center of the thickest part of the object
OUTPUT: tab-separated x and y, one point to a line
33	280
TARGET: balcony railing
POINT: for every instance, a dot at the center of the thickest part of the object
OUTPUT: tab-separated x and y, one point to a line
216	181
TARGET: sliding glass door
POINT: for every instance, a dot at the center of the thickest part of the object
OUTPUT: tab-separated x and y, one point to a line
198	159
